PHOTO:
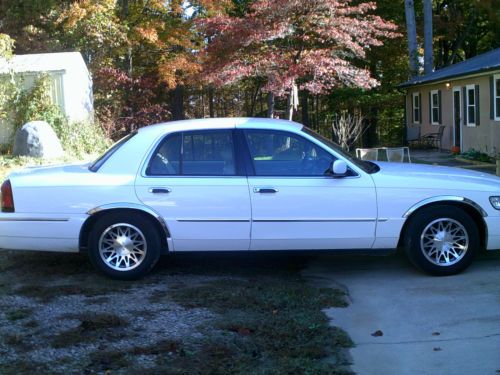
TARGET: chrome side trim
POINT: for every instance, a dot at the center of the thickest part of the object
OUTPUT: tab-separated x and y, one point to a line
133	206
314	220
213	220
445	198
47	219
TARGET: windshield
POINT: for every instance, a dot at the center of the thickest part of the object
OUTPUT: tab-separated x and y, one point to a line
94	167
365	165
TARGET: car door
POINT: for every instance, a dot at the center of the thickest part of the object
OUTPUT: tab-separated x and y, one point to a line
296	204
194	181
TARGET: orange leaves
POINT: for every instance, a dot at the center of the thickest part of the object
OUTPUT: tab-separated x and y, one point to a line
149	34
177	70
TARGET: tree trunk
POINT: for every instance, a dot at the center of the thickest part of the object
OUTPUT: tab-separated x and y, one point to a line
428	51
412	37
304	102
178	103
270	105
289	107
292	102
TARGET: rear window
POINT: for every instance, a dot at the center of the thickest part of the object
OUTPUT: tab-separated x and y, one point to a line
94	167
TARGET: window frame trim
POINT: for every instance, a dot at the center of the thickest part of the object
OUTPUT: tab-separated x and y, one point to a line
472	87
436	92
413	96
495	97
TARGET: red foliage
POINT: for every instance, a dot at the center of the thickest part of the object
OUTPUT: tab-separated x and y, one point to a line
126	104
313	43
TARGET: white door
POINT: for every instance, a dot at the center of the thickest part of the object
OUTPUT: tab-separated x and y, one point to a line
295	205
193	181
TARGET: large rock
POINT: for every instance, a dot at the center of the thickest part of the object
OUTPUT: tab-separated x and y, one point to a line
37	139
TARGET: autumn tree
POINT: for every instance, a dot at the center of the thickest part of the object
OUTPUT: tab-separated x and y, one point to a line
312	45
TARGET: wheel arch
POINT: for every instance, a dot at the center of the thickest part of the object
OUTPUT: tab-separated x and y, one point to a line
126	208
470	207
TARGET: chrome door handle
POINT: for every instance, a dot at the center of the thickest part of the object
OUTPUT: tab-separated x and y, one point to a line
159	190
265	190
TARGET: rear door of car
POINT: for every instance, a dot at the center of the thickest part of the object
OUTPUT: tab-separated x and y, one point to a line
296	205
195	181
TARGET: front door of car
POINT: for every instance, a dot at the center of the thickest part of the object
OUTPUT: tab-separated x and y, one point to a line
194	181
296	204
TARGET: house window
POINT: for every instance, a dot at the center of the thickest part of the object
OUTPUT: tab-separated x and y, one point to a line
496	96
416	107
435	107
470	106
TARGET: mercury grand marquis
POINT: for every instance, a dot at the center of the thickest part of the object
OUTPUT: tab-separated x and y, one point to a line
241	184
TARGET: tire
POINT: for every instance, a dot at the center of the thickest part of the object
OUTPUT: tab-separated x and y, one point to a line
124	247
441	240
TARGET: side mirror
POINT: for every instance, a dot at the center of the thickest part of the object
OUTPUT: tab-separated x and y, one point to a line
339	168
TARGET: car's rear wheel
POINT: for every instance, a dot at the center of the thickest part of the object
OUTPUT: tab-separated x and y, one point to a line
441	240
123	246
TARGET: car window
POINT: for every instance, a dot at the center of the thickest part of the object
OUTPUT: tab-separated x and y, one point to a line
199	153
280	153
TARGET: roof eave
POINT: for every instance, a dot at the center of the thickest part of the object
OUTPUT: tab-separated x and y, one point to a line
447	78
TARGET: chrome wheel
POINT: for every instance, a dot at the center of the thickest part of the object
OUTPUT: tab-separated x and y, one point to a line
444	242
122	247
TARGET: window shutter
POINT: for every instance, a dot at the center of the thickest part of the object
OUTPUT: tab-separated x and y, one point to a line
430	108
440	120
419	107
478	114
464	104
492	98
411	109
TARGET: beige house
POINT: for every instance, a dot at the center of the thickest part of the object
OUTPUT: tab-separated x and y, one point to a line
464	98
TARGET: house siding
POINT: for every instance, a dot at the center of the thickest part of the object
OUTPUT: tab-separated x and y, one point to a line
484	137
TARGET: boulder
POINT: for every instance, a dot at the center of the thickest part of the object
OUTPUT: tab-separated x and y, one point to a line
37	139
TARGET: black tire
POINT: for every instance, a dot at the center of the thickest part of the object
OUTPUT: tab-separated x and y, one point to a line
144	230
427	220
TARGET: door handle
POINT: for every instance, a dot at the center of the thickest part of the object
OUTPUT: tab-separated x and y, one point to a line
265	190
159	190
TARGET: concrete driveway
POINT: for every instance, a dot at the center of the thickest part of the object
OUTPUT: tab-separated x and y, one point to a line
405	322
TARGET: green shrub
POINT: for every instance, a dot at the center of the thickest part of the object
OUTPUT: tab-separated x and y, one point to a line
35	104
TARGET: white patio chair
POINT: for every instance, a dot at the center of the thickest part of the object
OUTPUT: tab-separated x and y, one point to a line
367	153
395	154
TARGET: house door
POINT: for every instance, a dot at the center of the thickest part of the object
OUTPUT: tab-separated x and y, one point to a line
457	117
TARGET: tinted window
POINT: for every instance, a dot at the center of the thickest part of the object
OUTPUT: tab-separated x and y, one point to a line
279	153
201	153
166	159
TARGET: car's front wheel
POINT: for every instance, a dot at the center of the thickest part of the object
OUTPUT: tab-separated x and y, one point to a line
124	247
441	240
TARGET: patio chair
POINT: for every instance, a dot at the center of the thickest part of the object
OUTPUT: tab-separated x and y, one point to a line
395	154
434	139
367	153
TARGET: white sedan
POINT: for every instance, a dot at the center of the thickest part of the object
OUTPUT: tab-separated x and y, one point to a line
246	184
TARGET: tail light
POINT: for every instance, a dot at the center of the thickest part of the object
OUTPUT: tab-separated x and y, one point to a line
7	197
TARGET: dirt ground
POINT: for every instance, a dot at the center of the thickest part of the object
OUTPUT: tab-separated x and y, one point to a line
195	314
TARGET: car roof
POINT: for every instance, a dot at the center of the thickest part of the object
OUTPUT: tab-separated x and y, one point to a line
221	123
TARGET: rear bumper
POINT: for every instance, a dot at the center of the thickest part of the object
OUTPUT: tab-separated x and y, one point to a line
53	232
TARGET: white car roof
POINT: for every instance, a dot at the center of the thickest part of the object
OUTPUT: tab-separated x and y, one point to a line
221	123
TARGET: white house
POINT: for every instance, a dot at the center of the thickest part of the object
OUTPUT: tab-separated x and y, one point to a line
70	78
